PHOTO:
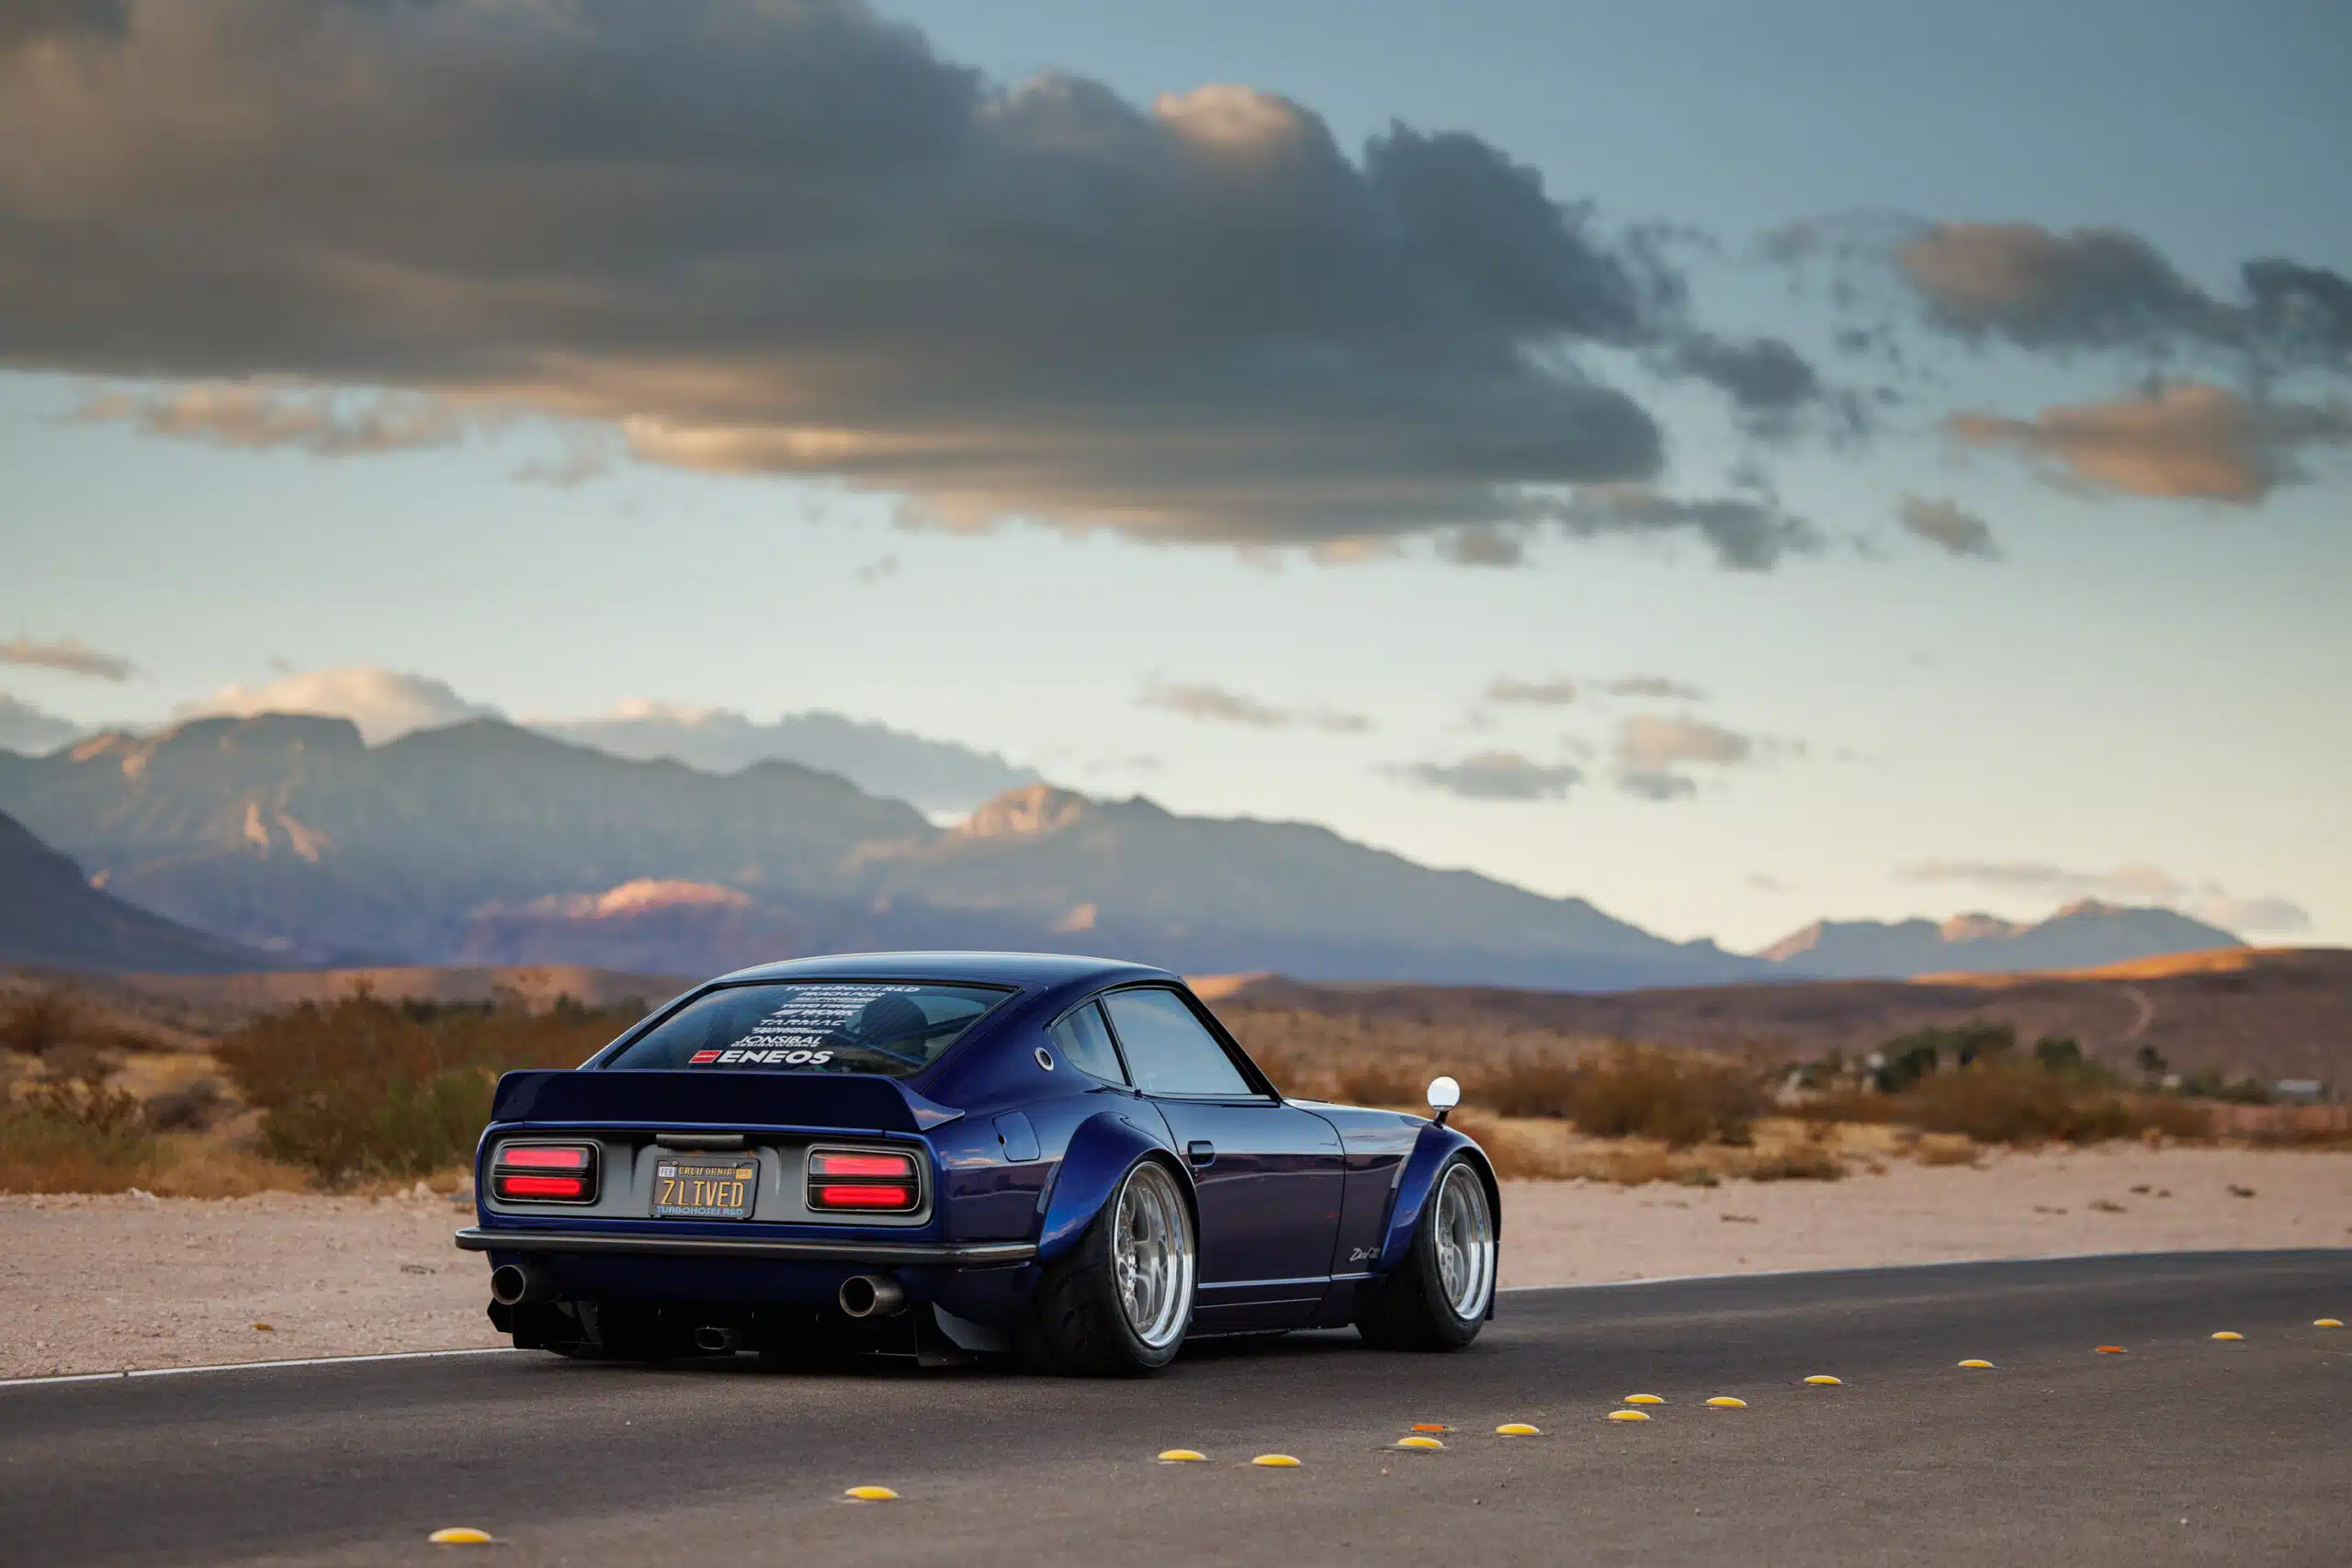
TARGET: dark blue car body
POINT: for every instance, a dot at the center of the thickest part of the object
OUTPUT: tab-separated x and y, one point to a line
1301	1208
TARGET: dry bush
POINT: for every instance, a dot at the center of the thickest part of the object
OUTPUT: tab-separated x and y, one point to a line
1945	1148
36	1022
1680	1098
191	1107
1807	1161
2017	1103
78	1135
1518	1154
370	1087
192	1167
2169	1117
1525	1086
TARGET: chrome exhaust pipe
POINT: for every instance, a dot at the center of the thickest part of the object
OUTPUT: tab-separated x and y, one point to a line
716	1341
521	1284
871	1295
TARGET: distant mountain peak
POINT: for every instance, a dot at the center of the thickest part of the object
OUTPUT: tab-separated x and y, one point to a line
2082	934
1032	811
1980	927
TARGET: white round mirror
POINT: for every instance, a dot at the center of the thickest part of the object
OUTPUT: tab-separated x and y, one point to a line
1444	1094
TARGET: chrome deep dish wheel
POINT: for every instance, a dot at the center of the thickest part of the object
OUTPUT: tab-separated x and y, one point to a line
1465	1234
1151	1255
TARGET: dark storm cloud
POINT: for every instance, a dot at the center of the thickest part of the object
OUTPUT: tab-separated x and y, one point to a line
1945	525
1765	378
789	239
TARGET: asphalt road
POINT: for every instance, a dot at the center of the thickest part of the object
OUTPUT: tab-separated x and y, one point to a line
2183	1450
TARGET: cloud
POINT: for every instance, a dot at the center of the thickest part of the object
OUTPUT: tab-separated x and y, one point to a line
384	703
1658	686
25	728
1495	775
790	239
938	776
1770	383
1651	746
325	424
2187	441
1557	692
1746	535
2106	289
1218	706
1483	546
2136	883
1649	741
1943	525
70	655
879	568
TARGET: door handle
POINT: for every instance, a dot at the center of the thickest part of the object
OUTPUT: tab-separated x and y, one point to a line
1200	1151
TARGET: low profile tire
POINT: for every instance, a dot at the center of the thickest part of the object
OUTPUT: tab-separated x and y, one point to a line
1117	1305
1438	1297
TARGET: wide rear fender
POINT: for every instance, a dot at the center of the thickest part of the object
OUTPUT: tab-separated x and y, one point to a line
1100	1152
1431	1151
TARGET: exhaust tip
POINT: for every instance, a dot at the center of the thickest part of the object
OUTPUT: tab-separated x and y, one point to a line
871	1295
509	1284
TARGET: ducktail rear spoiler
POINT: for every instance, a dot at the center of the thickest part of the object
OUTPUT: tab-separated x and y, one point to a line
718	1098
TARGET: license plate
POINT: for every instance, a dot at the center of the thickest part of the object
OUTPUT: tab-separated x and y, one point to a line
705	1188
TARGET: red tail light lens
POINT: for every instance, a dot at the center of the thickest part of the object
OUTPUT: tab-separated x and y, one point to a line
866	1180
570	1188
546	1157
545	1173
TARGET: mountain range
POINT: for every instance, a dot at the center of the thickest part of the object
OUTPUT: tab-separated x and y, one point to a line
482	842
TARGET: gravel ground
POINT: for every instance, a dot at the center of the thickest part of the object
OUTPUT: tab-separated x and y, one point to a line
104	1284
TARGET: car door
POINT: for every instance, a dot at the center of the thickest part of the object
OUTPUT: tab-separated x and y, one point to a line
1268	1176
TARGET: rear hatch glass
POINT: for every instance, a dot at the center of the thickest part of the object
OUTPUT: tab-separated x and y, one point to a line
893	1028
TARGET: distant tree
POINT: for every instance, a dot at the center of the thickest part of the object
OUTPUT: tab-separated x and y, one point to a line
2060	1055
2152	1064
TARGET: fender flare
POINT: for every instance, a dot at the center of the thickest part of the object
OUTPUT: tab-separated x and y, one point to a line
1435	1146
1100	1151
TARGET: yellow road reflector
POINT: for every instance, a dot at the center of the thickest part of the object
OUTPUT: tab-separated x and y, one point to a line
461	1535
1423	1444
1629	1415
1823	1380
1181	1456
265	1328
1517	1430
2112	1351
2229	1334
1641	1399
1725	1402
872	1495
1430	1427
2327	1323
1276	1461
1980	1366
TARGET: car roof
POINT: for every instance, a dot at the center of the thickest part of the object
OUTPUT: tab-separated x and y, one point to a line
1025	970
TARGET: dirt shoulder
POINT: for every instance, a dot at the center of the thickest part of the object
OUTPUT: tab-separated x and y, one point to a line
104	1284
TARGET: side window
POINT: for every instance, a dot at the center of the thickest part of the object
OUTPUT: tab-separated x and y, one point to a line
1083	1042
1168	1049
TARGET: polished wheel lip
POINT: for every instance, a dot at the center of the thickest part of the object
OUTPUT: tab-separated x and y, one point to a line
1465	1233
1152	1255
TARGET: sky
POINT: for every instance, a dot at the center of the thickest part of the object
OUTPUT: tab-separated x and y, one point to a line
1738	465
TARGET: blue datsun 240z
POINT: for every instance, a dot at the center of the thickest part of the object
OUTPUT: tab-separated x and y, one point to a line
949	1153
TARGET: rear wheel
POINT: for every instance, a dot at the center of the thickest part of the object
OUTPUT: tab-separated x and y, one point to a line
1119	1302
1438	1297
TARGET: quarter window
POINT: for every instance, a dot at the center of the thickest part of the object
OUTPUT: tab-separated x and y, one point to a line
1084	1041
1167	1048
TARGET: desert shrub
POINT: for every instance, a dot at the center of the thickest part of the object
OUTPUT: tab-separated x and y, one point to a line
1798	1162
1524	1085
1945	1148
2014	1102
1678	1097
35	1022
370	1087
191	1107
1518	1155
1382	1083
79	1135
2172	1117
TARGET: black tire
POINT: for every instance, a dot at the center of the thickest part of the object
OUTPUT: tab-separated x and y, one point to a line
1079	1327
1410	1310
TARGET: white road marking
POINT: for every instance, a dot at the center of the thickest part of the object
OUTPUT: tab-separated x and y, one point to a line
254	1365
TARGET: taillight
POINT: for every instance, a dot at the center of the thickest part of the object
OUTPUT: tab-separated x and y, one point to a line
865	1180
545	1173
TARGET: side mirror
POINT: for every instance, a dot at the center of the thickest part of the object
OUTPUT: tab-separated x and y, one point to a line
1445	1095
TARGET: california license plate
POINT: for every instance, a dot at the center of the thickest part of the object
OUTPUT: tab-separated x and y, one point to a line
705	1188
